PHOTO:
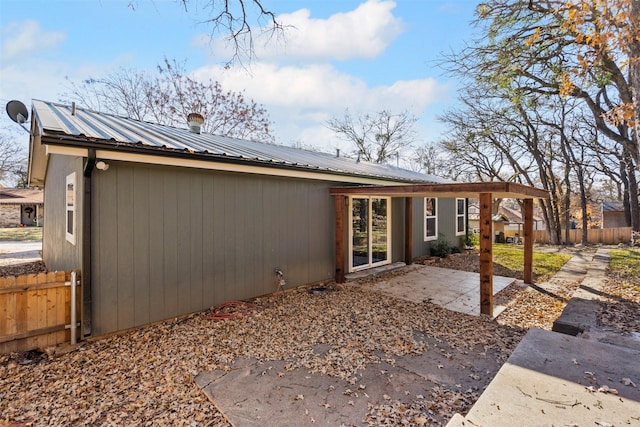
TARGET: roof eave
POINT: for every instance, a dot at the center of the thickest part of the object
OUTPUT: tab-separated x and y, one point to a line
58	139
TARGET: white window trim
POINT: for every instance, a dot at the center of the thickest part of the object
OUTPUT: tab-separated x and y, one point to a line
463	215
351	268
70	207
424	220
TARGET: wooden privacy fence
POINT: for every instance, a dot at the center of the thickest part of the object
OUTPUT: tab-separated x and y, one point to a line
605	236
35	310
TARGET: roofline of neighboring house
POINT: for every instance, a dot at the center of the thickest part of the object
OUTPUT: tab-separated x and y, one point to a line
108	150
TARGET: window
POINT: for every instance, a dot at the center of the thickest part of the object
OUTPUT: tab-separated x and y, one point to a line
369	232
461	228
71	208
430	218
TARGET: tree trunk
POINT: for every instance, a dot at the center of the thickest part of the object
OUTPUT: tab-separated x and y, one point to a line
634	75
583	202
634	208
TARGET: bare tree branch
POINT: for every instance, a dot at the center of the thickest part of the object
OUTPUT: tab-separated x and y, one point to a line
377	138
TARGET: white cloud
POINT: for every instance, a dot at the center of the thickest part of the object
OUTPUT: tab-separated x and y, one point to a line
362	33
21	39
300	99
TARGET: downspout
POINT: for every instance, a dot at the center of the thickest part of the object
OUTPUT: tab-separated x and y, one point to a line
86	243
468	233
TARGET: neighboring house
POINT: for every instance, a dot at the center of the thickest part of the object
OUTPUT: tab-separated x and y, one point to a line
498	220
21	207
507	223
514	221
165	221
613	215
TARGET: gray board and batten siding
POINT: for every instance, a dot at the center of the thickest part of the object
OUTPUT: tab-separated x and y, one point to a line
59	254
168	240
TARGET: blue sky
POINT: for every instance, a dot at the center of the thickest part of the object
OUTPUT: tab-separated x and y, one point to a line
362	55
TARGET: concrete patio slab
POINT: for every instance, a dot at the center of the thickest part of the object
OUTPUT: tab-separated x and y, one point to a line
270	393
556	379
453	289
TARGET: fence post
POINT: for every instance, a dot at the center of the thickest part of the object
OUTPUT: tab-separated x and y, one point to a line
74	316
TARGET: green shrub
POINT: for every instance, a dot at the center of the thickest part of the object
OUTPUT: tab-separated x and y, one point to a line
441	247
472	240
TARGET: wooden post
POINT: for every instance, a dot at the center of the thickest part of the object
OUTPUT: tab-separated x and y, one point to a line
339	201
408	230
528	241
486	255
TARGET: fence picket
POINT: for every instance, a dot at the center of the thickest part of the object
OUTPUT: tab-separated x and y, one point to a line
34	310
605	236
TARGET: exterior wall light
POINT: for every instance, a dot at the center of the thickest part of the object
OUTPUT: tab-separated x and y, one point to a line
102	165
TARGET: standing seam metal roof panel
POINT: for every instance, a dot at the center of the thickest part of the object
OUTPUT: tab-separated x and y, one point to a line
57	118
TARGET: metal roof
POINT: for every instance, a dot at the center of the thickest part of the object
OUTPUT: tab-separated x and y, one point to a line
60	123
612	206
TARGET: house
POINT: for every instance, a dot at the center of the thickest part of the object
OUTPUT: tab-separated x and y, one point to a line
165	221
613	215
508	223
514	220
21	207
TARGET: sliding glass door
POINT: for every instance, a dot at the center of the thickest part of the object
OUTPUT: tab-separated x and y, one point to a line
369	231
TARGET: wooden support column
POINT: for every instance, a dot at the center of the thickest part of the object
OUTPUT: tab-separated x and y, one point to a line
528	241
339	203
408	230
486	255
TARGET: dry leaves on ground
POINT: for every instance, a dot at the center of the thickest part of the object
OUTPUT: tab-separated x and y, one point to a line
534	306
621	309
145	376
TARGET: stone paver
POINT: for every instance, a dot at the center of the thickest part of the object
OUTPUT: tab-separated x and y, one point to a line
453	289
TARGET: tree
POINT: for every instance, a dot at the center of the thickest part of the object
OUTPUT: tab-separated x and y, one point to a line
431	159
533	49
604	30
12	159
235	19
169	96
377	138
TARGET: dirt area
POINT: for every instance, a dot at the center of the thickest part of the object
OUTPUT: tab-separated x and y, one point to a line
26	268
146	376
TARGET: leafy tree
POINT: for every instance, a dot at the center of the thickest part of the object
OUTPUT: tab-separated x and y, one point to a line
377	137
533	51
606	31
169	96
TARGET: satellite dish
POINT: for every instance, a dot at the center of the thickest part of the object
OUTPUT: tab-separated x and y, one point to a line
17	111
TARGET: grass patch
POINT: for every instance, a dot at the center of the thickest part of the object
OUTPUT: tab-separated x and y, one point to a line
21	233
625	263
545	264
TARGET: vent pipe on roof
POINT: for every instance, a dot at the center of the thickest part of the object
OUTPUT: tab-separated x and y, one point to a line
73	108
195	122
337	152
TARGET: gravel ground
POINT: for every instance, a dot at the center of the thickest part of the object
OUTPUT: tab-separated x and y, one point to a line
145	376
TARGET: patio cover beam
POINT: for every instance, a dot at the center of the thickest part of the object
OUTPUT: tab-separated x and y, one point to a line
486	255
463	190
